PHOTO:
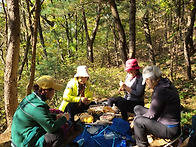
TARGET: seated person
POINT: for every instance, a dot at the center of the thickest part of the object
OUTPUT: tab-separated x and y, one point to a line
134	90
77	96
32	124
162	119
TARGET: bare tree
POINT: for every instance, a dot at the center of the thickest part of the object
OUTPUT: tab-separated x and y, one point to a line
90	39
188	43
121	33
34	42
148	38
12	59
132	36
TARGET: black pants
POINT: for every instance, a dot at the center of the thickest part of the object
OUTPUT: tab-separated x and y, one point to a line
144	126
55	139
75	108
124	105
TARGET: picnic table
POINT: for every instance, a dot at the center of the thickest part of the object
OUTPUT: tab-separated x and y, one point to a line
106	129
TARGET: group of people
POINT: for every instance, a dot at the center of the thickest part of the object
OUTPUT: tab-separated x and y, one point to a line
34	125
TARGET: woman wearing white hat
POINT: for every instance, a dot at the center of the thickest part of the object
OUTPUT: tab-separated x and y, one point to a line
77	96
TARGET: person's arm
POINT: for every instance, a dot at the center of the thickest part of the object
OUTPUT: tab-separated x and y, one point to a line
43	117
156	105
138	91
88	91
69	95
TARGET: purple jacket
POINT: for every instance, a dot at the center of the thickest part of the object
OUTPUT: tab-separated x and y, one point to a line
165	103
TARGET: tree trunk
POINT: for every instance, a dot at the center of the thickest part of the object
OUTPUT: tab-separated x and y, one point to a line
42	38
132	36
12	59
6	20
121	33
148	38
188	43
90	40
115	45
76	33
25	57
69	51
34	42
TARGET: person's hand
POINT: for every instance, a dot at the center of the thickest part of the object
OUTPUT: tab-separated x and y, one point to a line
122	87
63	114
131	125
59	116
85	100
66	115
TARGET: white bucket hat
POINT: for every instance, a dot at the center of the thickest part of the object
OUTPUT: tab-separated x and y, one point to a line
82	71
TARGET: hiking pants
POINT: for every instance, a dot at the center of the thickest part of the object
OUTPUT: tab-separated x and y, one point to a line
54	139
144	126
124	105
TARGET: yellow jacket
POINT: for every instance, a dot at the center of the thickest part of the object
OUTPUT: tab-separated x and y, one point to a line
71	93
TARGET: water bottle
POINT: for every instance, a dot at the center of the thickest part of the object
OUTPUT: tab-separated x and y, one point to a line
114	108
109	135
123	142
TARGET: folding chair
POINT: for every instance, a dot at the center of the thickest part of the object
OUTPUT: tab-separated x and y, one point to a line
169	143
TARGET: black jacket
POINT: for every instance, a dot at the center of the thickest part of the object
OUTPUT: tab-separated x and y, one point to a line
165	103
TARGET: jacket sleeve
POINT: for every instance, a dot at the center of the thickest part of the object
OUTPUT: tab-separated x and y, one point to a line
69	95
89	92
43	117
156	105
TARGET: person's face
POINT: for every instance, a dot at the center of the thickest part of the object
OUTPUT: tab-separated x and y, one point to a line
50	94
132	72
82	80
151	83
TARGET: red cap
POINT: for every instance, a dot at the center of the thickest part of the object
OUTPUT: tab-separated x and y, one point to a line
131	64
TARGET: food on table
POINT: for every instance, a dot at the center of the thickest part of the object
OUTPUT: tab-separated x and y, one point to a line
108	109
86	118
95	109
107	116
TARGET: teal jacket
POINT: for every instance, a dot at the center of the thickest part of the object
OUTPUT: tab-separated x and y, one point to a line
71	93
32	120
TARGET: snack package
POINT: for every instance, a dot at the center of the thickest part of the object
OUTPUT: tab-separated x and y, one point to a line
120	83
86	118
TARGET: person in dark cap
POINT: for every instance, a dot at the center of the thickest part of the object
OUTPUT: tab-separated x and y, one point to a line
133	88
33	124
